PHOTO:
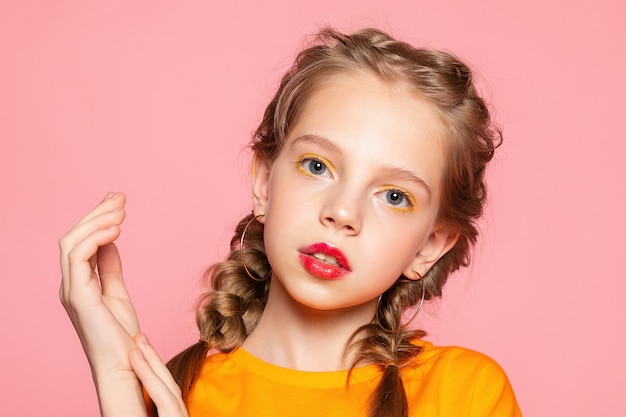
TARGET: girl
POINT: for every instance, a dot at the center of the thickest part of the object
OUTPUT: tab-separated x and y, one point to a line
368	177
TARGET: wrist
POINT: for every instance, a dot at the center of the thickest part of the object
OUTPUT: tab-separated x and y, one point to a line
119	393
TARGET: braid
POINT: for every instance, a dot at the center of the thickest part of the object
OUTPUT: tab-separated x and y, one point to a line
387	342
230	312
227	314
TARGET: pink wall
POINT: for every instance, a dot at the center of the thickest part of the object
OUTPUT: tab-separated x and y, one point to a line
158	100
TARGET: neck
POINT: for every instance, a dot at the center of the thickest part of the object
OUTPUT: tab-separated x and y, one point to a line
296	336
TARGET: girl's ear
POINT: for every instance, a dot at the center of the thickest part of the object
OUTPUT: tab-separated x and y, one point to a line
260	172
440	241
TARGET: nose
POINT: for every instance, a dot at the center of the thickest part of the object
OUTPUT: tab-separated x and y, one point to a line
342	211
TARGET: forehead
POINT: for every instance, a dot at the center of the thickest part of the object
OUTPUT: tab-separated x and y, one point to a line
375	122
361	93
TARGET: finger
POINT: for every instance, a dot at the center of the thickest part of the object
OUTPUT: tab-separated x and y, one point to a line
158	385
80	275
110	272
111	200
77	264
82	231
103	218
166	402
157	365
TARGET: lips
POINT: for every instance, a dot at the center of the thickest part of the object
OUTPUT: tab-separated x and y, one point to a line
324	261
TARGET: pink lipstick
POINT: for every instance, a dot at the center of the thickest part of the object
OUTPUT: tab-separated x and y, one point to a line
324	261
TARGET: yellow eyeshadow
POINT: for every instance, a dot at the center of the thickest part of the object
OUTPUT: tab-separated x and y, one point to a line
312	156
412	203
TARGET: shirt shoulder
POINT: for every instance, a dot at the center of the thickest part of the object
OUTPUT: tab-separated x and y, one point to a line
459	381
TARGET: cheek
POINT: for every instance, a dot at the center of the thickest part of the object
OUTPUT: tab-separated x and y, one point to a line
271	239
285	211
289	197
405	240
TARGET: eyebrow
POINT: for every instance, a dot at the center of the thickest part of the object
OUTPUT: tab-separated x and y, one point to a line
401	173
408	176
320	141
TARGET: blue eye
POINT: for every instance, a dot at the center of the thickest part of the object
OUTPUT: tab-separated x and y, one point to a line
394	198
397	199
314	166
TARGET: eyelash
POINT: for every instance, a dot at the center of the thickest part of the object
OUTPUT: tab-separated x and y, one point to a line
410	201
305	160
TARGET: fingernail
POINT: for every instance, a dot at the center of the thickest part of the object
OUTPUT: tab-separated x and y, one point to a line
109	196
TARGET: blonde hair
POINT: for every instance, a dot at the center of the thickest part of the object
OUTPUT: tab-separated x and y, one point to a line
230	311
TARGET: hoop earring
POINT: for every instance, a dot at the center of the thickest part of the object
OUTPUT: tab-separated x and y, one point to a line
419	306
421	303
243	260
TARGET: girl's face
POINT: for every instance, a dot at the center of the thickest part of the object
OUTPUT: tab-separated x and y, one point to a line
350	202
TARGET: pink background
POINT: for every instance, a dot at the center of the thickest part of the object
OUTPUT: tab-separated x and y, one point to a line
158	99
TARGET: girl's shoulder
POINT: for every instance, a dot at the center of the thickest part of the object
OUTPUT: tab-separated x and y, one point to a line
459	358
467	381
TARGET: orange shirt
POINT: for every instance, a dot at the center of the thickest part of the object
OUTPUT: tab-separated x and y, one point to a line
442	381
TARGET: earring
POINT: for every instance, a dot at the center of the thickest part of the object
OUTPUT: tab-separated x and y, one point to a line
421	303
243	260
417	310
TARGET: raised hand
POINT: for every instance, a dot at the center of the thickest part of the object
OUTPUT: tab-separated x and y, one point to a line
95	298
92	289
